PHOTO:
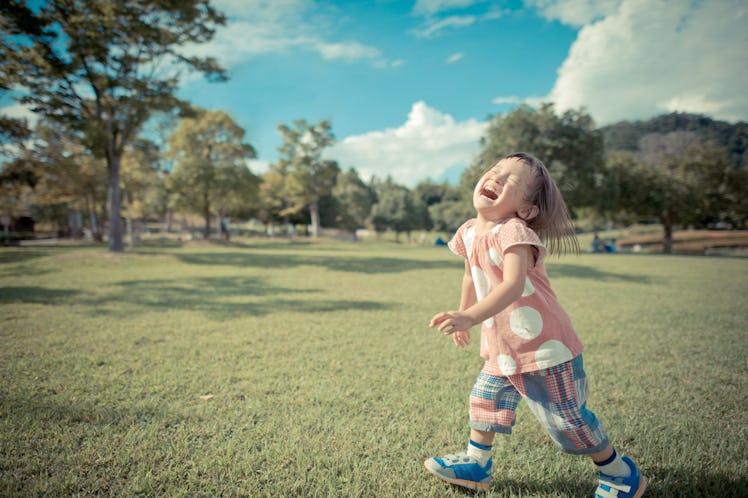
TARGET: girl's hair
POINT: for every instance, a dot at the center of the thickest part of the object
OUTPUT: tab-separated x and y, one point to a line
553	222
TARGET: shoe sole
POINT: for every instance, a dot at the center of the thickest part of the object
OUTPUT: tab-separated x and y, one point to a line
475	486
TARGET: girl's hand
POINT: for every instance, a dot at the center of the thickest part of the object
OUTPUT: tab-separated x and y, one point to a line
450	322
461	338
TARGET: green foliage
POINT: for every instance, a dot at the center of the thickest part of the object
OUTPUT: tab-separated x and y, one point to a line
395	209
569	145
626	135
12	131
277	369
676	178
66	173
307	177
445	207
211	176
98	68
143	181
353	200
695	167
272	196
447	216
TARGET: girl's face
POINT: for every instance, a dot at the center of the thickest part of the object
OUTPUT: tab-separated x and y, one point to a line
501	191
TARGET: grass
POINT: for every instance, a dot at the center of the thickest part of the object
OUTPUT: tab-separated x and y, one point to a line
291	369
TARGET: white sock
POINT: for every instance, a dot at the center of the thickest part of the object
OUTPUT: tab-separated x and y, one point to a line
480	452
614	466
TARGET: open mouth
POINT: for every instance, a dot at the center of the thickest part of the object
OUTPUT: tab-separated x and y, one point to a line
487	192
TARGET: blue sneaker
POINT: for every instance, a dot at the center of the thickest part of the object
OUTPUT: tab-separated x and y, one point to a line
461	470
632	486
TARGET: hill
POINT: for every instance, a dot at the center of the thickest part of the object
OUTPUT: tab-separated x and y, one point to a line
626	135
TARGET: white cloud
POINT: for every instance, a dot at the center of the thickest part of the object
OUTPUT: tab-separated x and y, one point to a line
431	7
575	12
455	57
513	99
257	27
441	15
654	56
258	166
265	10
347	51
432	27
425	146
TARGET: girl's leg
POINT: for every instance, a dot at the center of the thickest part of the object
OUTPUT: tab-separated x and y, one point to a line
557	396
482	437
493	401
603	455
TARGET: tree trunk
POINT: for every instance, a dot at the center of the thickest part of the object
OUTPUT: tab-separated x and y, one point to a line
115	223
6	230
667	241
92	218
130	231
224	227
206	213
102	218
314	214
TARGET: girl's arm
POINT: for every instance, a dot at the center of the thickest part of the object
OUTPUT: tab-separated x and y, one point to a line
467	295
509	290
467	299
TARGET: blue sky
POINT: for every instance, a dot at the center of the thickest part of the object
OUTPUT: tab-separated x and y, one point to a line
408	85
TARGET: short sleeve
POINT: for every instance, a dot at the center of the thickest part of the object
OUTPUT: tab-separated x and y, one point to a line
515	232
458	243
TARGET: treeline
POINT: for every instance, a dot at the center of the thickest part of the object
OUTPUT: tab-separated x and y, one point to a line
685	170
90	156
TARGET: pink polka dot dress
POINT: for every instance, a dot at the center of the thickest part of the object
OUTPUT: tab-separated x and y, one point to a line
534	332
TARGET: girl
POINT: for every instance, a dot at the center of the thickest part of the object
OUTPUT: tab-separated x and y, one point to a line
527	339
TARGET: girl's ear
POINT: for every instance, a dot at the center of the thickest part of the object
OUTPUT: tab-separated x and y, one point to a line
529	213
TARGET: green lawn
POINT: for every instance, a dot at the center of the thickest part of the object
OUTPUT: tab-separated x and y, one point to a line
292	369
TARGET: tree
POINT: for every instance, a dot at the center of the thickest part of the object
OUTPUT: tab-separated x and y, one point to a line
211	176
448	215
569	145
69	176
16	176
272	197
308	177
16	183
394	209
101	68
354	200
626	135
441	203
728	201
13	132
675	177
141	182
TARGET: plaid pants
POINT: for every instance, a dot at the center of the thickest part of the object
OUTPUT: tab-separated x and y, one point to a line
557	396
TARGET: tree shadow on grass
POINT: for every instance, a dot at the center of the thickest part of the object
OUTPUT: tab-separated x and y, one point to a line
222	298
335	262
36	295
219	298
20	263
46	406
566	488
669	482
19	255
564	270
666	483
